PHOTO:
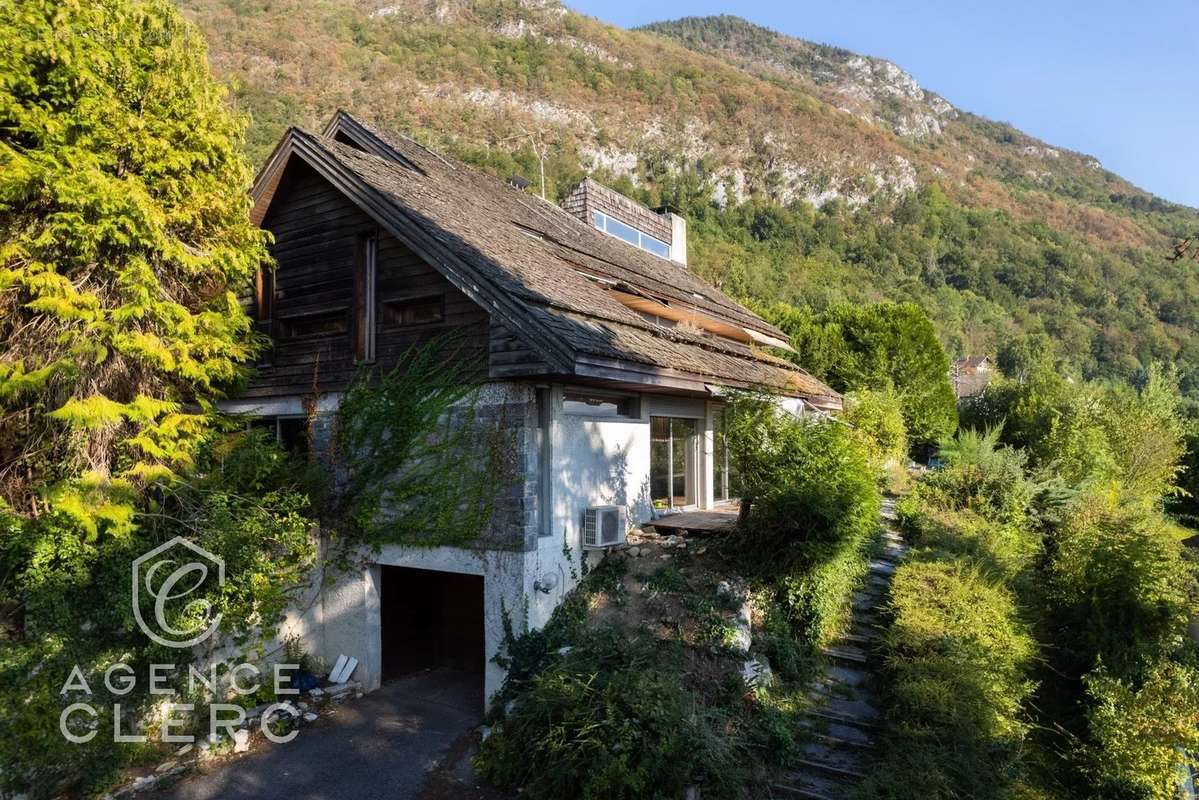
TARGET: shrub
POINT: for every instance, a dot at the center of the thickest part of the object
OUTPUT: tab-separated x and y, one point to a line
957	656
1138	731
810	511
877	420
981	475
611	719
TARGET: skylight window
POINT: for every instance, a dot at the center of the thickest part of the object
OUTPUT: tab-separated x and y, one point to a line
614	227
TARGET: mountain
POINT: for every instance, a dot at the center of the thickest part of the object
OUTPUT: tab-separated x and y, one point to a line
810	174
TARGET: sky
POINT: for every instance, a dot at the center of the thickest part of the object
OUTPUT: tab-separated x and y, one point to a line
1115	80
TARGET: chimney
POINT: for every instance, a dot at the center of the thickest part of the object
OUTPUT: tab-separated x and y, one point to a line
678	238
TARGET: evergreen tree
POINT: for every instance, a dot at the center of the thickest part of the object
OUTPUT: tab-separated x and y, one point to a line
124	236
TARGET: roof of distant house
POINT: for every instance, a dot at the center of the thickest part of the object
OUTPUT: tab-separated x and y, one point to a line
971	362
567	288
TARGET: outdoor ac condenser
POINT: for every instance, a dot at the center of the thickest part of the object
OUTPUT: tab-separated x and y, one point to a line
604	526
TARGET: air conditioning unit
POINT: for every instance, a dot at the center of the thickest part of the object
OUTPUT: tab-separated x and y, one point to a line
604	526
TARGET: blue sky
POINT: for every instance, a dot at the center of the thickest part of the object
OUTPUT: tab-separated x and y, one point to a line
1119	81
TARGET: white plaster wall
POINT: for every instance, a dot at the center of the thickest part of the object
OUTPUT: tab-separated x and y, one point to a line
593	461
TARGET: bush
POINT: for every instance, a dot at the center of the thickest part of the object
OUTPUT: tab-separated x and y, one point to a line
623	715
1138	731
980	475
957	658
612	726
877	420
813	508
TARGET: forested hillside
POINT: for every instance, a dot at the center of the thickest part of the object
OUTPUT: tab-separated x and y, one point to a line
810	175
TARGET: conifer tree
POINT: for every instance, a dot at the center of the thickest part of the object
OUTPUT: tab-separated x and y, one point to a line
124	237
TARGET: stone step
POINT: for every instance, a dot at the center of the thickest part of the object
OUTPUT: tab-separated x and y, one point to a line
860	640
882	567
828	717
846	708
846	652
844	675
838	733
812	787
839	762
866	601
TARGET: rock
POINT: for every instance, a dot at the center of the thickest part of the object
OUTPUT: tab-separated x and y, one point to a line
757	673
724	589
303	706
145	783
316	692
310	717
701	551
182	751
635	552
241	741
741	638
256	712
166	766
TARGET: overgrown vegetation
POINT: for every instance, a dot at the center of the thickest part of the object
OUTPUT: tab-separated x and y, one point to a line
421	464
1046	528
601	708
124	237
810	505
611	701
67	602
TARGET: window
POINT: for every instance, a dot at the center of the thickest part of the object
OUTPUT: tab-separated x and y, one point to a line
726	483
673	462
319	323
614	227
414	311
595	404
290	432
364	298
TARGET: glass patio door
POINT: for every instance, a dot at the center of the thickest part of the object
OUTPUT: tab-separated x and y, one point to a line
674	461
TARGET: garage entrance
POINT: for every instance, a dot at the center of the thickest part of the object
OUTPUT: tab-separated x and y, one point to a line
431	621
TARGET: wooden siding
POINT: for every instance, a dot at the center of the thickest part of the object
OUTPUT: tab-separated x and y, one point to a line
317	233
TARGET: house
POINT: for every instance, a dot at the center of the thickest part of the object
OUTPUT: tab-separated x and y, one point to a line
606	354
971	376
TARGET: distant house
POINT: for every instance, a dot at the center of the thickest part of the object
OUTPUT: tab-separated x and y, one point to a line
606	353
971	376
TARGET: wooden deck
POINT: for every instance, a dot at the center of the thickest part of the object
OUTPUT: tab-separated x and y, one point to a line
696	522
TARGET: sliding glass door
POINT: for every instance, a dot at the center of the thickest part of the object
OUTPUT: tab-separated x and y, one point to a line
674	462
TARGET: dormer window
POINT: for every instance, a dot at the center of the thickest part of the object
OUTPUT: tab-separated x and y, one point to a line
614	227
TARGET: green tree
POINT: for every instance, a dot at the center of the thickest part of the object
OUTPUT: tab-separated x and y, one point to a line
880	347
124	237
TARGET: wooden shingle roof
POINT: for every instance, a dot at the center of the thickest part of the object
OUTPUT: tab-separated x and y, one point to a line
552	279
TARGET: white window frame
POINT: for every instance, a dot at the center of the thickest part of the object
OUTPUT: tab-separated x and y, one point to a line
599	216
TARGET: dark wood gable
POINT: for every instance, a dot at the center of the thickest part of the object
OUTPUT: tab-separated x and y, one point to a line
318	301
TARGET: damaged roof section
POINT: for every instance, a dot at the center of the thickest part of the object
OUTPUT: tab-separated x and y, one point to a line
590	304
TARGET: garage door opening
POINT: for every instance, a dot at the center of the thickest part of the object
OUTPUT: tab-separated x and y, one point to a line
431	621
